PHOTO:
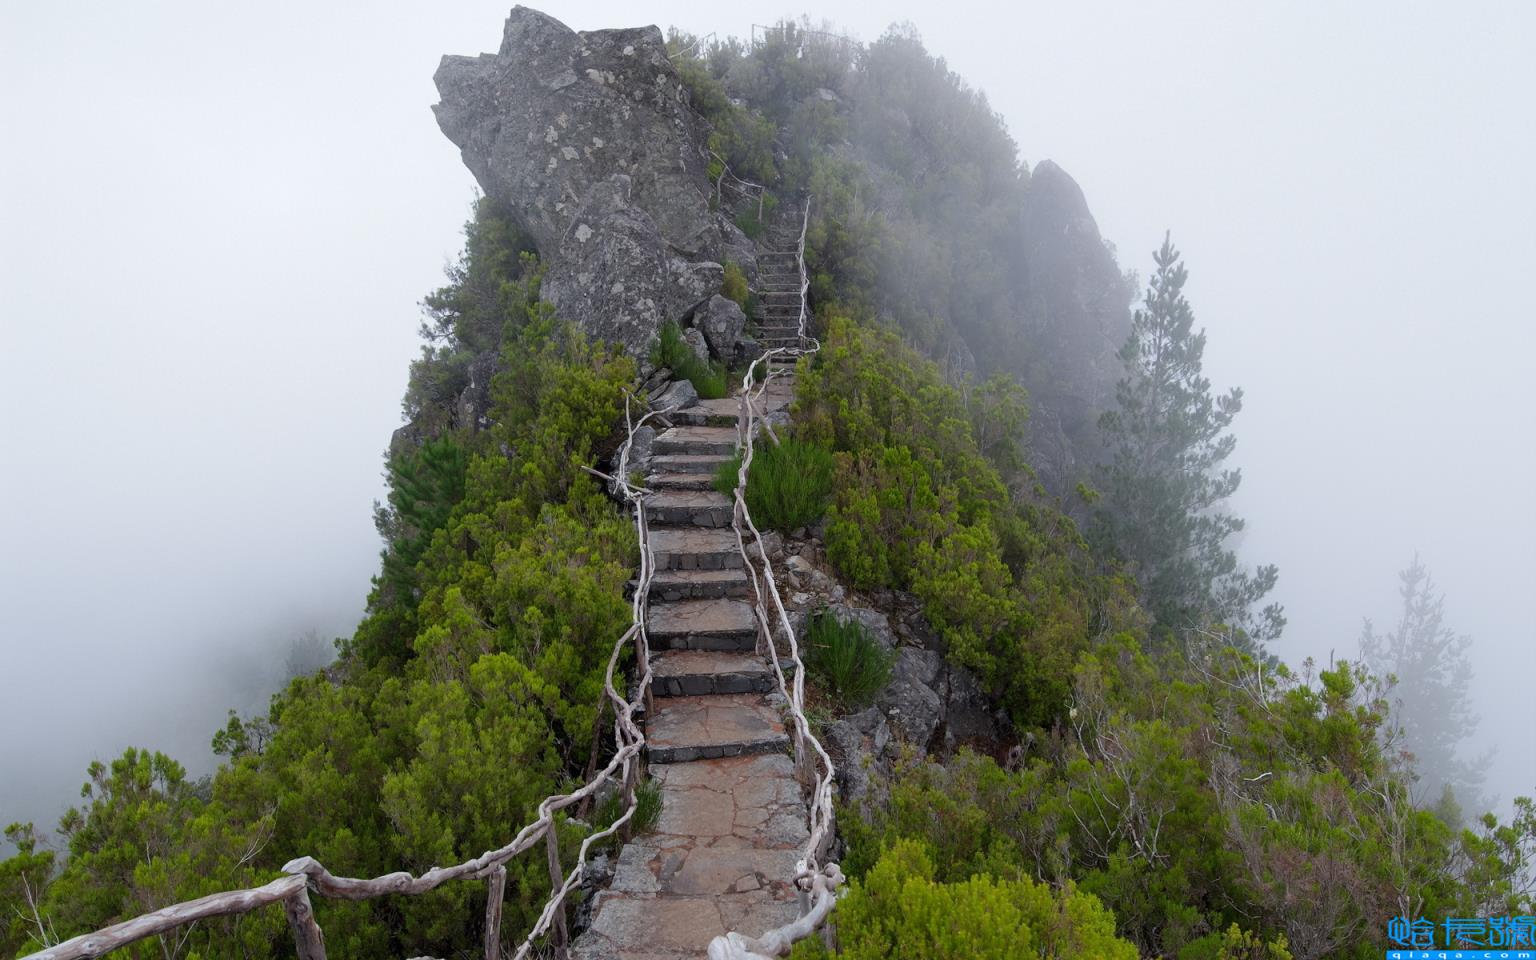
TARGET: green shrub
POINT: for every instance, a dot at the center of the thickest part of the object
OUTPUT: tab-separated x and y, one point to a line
789	486
899	910
734	286
847	658
671	351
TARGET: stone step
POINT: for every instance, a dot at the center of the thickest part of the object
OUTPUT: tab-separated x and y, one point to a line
681	481
723	827
709	413
701	508
705	464
646	927
697	673
680	729
696	440
719	413
722	624
695	548
672	585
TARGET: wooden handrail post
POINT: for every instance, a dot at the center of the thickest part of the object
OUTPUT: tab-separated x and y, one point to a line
498	884
558	936
307	937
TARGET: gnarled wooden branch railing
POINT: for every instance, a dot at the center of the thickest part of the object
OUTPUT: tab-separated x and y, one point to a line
745	188
816	880
307	874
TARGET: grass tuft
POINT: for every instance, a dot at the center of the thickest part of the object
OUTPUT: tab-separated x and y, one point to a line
789	486
671	351
847	659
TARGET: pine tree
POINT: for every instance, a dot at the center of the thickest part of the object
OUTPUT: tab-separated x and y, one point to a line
1163	489
1432	693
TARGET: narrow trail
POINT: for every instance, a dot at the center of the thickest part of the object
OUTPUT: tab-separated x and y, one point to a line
733	822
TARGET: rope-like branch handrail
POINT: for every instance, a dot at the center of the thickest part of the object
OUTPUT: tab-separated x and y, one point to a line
817	882
306	873
696	44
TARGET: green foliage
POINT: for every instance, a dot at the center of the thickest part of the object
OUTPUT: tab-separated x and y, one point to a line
672	352
734	286
1192	794
24	879
843	655
468	693
1165	483
901	910
917	505
789	485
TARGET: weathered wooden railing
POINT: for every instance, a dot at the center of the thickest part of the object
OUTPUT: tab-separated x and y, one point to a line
307	874
745	188
816	880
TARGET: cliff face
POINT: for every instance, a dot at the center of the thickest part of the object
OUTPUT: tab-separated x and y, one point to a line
587	139
1075	315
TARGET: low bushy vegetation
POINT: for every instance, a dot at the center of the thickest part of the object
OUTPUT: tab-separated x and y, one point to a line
844	656
901	909
788	486
920	505
734	286
671	351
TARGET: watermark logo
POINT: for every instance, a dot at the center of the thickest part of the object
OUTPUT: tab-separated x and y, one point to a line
1451	938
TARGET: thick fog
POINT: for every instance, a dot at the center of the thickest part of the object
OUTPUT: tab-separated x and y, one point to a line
217	222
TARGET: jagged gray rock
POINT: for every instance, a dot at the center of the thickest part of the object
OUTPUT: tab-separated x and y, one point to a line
678	395
861	743
721	321
588	142
695	340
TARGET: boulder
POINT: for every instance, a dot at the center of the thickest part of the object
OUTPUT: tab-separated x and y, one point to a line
639	459
916	665
860	745
588	143
679	394
694	337
874	621
473	408
969	716
914	711
616	277
721	321
747	350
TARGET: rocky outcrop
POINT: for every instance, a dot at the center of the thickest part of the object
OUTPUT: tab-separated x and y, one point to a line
587	140
1077	303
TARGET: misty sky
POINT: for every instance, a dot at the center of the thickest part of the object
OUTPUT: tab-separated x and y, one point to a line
216	222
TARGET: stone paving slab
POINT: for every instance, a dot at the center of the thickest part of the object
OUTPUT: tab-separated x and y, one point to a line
722	624
722	412
691	673
749	801
628	927
681	481
701	508
689	462
695	548
696	440
680	729
672	585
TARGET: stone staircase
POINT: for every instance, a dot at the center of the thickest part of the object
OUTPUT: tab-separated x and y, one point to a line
733	819
778	288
